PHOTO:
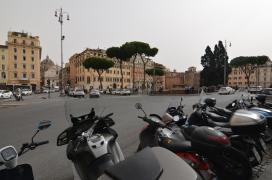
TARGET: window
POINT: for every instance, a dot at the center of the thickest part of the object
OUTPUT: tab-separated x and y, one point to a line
23	41
32	75
3	67
32	67
24	51
24	66
32	59
88	80
14	40
94	79
15	57
3	57
15	75
24	58
24	75
32	43
32	51
15	66
15	50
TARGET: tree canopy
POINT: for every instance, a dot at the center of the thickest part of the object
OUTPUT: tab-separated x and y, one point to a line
213	65
99	65
155	71
121	54
248	60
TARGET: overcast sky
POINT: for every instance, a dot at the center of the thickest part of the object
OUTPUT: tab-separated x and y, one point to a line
181	29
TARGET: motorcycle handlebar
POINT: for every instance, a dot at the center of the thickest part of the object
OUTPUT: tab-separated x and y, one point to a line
108	115
41	143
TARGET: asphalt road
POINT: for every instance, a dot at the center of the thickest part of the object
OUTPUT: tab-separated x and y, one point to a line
19	121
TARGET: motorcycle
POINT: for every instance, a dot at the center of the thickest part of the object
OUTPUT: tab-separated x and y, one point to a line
9	158
18	97
242	129
92	145
95	154
203	148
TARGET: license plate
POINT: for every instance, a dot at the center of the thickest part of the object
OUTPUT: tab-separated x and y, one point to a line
256	154
263	144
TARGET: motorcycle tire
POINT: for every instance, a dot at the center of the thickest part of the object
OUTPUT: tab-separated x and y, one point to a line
247	151
232	164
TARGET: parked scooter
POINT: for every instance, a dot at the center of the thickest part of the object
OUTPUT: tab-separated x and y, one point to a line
95	154
9	158
203	148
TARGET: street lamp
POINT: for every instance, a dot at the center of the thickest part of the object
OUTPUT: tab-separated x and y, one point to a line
59	14
225	64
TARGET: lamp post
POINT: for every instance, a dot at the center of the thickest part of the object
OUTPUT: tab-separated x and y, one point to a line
59	13
225	63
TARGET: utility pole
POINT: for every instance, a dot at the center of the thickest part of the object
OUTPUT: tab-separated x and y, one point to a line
59	13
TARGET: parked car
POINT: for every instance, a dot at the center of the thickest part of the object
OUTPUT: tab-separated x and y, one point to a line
38	91
116	91
125	92
45	91
5	94
226	90
268	93
94	93
255	89
26	92
78	93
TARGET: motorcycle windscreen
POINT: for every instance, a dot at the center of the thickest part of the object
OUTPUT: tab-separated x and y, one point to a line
21	172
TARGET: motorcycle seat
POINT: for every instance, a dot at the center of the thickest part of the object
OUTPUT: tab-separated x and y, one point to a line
220	124
133	167
216	117
176	146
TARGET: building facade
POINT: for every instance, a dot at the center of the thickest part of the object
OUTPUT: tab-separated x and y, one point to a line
264	75
3	66
49	73
139	73
192	78
237	78
24	56
174	80
88	78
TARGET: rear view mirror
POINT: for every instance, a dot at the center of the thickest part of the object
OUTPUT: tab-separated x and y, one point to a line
181	99
63	138
44	125
138	106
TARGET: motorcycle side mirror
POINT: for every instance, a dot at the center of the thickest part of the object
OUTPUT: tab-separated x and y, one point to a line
181	99
44	125
138	106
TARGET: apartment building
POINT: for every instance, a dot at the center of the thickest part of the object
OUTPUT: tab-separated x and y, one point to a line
3	65
237	78
24	56
88	78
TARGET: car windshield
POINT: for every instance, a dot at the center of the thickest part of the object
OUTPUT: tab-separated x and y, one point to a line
223	89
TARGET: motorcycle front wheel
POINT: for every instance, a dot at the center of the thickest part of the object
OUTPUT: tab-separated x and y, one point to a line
232	164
